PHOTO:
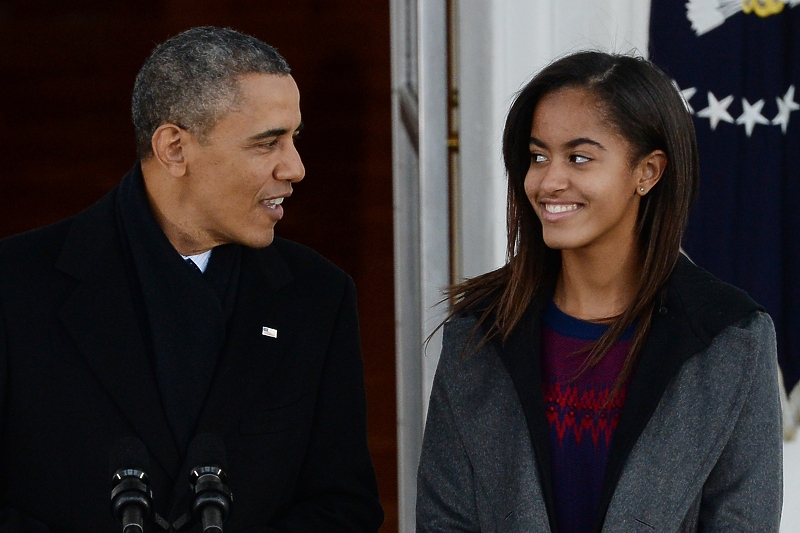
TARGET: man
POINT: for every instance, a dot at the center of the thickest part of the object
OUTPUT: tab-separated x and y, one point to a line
169	309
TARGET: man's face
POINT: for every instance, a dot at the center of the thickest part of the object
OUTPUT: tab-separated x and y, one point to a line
245	166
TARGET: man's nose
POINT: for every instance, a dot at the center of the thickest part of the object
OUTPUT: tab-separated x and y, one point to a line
291	166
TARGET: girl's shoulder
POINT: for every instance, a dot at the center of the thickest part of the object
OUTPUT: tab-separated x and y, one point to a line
706	303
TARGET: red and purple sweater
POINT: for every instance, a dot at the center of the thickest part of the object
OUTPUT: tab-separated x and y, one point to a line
581	419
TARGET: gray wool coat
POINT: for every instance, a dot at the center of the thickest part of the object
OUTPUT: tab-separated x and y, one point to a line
698	446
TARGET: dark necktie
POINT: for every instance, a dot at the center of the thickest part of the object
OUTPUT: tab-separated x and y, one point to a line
193	265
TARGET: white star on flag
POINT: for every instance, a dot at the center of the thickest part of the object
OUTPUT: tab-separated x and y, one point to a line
687	95
751	115
785	106
717	110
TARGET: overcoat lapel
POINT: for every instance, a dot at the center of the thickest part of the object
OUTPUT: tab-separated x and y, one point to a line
101	318
668	346
521	356
249	357
691	311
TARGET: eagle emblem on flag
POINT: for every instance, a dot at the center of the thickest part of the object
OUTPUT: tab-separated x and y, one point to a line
705	15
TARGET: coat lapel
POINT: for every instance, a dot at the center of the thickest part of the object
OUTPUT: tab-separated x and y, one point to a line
101	318
521	357
250	356
668	346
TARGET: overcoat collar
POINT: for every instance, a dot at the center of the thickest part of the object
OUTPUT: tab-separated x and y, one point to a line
101	317
692	309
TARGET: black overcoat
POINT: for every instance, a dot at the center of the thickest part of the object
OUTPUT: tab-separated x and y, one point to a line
76	377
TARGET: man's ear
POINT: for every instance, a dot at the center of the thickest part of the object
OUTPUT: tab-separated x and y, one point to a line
650	169
168	144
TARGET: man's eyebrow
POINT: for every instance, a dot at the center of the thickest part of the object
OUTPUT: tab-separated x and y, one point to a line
574	143
274	132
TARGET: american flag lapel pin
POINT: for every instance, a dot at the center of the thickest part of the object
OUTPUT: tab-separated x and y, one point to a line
269	332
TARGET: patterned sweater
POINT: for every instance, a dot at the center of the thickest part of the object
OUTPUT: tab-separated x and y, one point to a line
581	418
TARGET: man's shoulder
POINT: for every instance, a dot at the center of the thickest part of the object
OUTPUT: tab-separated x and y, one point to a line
310	276
301	276
40	243
303	260
46	243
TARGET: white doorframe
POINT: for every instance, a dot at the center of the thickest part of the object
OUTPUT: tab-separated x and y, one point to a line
421	220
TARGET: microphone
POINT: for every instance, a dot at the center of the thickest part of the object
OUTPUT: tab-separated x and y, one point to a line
131	496
211	498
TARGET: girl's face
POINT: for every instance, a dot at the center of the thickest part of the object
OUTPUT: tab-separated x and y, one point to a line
581	182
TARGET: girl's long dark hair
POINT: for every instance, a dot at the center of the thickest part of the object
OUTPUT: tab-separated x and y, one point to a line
639	100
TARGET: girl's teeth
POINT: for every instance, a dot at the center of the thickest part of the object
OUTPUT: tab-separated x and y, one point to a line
560	208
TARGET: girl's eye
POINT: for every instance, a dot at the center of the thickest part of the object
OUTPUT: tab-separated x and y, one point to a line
538	158
579	159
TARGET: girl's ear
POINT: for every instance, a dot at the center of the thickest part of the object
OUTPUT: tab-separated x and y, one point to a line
649	170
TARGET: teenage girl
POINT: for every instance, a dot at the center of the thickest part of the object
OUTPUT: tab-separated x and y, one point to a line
600	381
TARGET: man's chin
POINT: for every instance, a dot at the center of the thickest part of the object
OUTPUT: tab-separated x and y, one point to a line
260	241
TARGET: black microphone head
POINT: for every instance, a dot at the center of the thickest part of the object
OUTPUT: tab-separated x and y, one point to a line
206	450
129	453
131	496
211	498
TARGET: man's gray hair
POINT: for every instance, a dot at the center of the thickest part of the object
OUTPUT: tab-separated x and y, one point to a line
191	80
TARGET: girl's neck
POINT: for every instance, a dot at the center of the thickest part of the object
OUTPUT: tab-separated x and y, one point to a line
597	286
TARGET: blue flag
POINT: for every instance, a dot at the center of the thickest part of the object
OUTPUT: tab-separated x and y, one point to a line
737	64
